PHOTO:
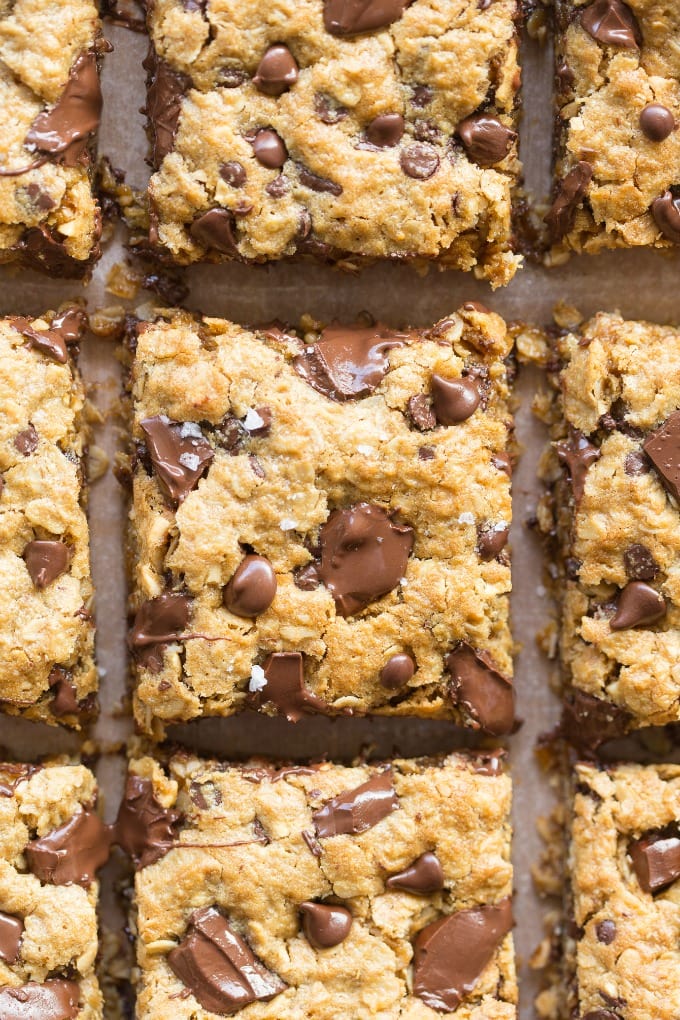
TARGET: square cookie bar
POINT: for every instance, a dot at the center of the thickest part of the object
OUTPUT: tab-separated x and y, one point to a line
623	948
322	891
616	505
51	844
330	128
617	158
319	520
50	104
46	630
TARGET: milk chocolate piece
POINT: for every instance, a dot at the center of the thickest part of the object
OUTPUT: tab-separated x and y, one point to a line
663	449
357	810
71	853
348	362
11	932
56	999
638	605
252	588
656	860
76	113
478	685
159	622
612	23
180	454
144	828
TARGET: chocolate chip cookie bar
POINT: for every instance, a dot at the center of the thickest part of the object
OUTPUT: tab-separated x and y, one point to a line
335	129
617	144
623	948
319	520
322	890
617	516
50	104
52	842
46	630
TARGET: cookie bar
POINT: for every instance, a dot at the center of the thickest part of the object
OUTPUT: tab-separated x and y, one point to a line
623	949
51	844
50	104
46	630
322	890
319	520
618	520
340	130
617	144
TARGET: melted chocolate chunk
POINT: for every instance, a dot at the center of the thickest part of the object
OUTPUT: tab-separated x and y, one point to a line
277	71
215	230
350	17
666	213
485	139
327	111
571	191
26	442
65	698
48	341
423	877
485	693
363	556
180	454
144	828
55	999
166	90
11	932
46	561
348	362
663	449
76	113
269	148
605	932
325	924
158	622
397	671
252	589
588	722
357	810
639	563
638	605
316	183
385	130
71	853
233	173
419	161
656	860
450	954
285	688
577	454
218	966
70	324
454	400
656	122
491	541
612	23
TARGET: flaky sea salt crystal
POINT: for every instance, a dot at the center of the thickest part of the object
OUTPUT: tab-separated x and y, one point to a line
252	420
190	461
466	518
257	679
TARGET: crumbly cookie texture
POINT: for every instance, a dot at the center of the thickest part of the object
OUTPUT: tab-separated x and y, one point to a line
617	145
319	520
314	890
345	131
46	630
623	948
50	103
617	519
51	844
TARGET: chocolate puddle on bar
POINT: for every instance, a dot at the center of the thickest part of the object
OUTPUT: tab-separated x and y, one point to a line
395	295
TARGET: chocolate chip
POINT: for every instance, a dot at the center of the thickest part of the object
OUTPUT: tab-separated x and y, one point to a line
636	464
657	122
571	191
269	148
605	932
215	230
180	454
71	853
422	96
165	92
577	454
426	453
397	671
565	76
233	173
350	17
348	362
486	694
485	139
325	924
638	605
639	563
144	829
76	113
491	541
386	130
26	442
426	131
454	400
158	622
423	876
450	954
285	688
612	23
666	213
252	588
316	183
54	999
663	449
587	722
656	860
357	810
218	966
327	111
46	561
419	161
278	187
11	932
40	198
277	71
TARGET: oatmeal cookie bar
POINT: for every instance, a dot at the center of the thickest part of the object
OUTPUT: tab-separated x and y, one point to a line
319	520
617	143
341	130
50	104
46	630
322	890
51	844
617	516
622	949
